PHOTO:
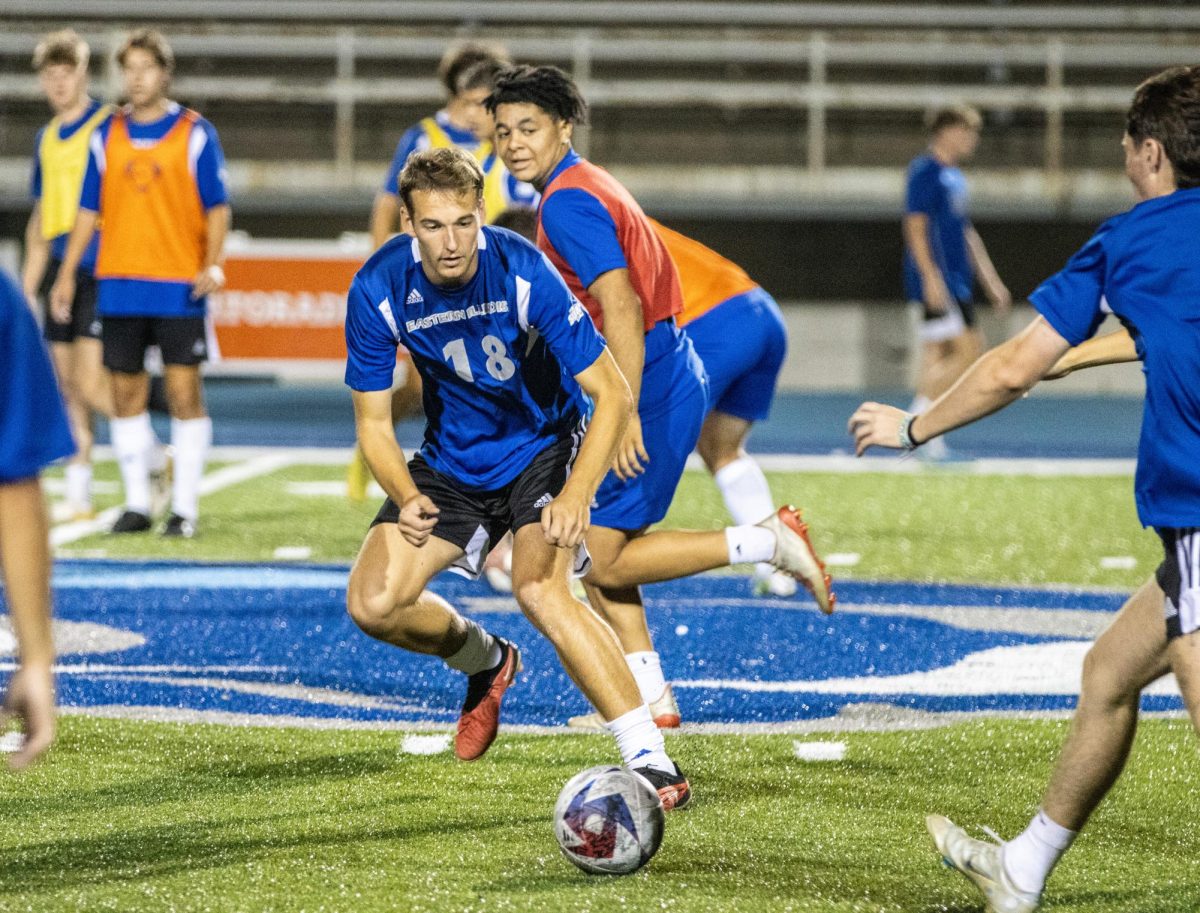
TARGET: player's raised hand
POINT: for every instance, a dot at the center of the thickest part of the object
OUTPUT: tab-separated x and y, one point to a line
565	520
631	455
877	425
30	699
62	293
418	517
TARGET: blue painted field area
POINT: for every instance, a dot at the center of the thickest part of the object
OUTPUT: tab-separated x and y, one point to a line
275	640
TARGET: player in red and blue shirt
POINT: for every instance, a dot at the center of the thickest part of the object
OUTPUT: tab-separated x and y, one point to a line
593	230
1142	267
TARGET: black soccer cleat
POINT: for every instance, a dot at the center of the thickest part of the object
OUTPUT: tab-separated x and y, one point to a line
178	527
131	521
673	789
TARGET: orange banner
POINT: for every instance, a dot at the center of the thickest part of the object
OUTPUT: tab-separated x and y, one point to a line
288	305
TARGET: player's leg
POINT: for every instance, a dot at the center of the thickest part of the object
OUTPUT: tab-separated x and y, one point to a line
78	469
743	344
125	340
1127	657
183	342
92	387
591	656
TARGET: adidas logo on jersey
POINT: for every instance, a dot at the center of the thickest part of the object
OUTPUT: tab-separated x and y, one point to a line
543	500
414	297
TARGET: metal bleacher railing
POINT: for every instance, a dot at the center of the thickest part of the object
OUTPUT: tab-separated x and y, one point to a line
809	58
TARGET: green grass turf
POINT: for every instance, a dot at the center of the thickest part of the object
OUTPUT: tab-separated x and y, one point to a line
938	525
143	816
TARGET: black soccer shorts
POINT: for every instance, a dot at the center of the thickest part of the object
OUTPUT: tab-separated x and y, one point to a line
182	341
1179	578
83	323
476	520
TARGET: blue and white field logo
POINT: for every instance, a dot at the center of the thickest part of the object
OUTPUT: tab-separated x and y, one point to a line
272	645
608	821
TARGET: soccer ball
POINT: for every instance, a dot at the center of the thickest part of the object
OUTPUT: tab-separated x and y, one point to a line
608	821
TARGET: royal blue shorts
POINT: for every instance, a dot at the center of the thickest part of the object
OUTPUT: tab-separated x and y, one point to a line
672	406
742	343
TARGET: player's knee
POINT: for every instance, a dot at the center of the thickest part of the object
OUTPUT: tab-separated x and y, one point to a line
377	610
1102	685
542	600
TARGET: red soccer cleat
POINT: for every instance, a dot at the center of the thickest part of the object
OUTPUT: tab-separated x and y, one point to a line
480	716
795	555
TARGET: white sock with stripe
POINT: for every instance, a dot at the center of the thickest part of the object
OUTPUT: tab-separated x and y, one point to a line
190	439
747	497
639	741
1029	857
132	439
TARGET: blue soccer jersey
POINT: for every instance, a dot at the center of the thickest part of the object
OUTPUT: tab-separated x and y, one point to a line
33	423
497	355
1142	266
939	192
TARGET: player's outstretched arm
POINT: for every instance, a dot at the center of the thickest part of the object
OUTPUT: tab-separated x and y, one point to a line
25	561
377	438
625	333
1000	376
565	520
63	291
1109	349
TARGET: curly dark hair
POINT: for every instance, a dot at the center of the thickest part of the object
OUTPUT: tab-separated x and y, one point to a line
549	88
1166	107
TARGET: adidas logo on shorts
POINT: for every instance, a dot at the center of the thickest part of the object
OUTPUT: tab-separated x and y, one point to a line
543	500
414	297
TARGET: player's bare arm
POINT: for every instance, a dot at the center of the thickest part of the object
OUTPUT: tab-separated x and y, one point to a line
377	438
211	277
384	212
1109	349
997	292
933	284
37	255
626	337
1002	375
25	558
63	291
565	520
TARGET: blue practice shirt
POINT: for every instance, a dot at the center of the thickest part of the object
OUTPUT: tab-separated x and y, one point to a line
1144	266
939	192
58	244
581	229
157	298
33	422
415	139
498	355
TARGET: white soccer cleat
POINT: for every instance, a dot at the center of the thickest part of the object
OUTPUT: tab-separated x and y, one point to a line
795	555
981	862
665	712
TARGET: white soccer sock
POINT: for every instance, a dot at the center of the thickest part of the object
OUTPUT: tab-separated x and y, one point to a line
1029	857
480	651
747	496
749	543
79	486
640	742
647	672
131	439
190	439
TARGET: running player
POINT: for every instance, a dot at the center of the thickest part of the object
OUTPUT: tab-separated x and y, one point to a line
504	451
1141	266
33	433
59	162
739	334
156	174
944	255
593	230
466	71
